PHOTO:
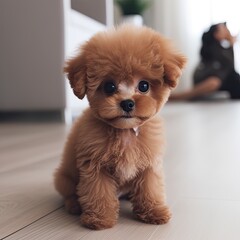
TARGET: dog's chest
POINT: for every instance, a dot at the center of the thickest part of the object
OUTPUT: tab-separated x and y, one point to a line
126	169
127	156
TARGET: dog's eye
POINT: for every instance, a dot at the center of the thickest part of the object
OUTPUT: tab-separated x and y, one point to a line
143	86
109	88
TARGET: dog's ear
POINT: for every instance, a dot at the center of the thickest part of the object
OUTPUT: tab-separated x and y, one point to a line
173	69
76	73
173	63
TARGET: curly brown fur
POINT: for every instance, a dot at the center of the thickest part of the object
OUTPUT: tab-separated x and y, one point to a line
110	149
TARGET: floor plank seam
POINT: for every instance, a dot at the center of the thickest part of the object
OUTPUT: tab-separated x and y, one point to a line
11	234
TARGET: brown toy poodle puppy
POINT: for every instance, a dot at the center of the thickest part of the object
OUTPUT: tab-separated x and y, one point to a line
116	146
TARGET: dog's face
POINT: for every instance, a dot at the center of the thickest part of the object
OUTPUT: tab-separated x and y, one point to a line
127	74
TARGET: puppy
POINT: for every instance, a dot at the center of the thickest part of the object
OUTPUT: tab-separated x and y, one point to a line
116	146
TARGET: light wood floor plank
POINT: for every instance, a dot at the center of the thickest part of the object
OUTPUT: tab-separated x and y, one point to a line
202	219
34	150
57	225
60	225
203	153
27	194
11	135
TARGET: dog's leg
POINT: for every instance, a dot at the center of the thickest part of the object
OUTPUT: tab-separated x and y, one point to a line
148	198
66	177
66	186
98	200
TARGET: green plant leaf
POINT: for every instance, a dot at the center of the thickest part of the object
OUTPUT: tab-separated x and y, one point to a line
130	7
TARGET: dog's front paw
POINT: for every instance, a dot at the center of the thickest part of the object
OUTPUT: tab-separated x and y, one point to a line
96	222
154	216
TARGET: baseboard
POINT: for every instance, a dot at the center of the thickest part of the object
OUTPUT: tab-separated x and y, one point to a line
31	116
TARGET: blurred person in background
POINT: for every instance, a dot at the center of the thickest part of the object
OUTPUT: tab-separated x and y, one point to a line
216	71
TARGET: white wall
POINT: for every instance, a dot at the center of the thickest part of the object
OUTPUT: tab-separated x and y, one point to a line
184	21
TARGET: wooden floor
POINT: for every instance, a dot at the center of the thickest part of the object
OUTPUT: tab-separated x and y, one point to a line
202	168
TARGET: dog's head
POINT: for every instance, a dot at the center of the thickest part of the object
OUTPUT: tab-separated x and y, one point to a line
127	74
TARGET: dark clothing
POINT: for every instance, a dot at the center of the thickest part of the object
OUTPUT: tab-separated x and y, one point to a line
219	62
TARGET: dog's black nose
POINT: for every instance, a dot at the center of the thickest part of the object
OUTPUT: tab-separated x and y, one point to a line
127	105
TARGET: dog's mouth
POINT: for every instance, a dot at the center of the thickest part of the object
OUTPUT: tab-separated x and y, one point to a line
121	117
128	117
126	121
